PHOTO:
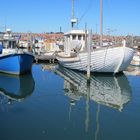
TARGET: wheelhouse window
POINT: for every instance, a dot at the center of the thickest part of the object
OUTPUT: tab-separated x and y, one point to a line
83	37
74	37
79	37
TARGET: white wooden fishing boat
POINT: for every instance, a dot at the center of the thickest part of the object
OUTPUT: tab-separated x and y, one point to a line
104	59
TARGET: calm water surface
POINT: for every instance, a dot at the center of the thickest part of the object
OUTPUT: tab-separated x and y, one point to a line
56	103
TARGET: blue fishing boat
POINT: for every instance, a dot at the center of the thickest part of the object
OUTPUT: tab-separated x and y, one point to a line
12	60
16	63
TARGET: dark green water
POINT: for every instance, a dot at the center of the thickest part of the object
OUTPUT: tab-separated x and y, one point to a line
59	105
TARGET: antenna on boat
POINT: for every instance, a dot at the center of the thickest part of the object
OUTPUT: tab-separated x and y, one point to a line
73	19
101	23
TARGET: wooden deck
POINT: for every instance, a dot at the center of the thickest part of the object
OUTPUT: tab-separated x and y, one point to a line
45	58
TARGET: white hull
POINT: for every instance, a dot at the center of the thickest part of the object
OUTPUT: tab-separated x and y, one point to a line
113	60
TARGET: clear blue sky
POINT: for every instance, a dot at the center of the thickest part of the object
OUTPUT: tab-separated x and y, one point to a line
122	16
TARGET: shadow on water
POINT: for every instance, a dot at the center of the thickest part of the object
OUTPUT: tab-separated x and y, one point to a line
16	88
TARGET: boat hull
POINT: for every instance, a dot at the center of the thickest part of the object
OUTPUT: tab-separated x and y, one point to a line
112	60
18	63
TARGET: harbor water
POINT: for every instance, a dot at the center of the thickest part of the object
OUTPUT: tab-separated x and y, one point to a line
55	103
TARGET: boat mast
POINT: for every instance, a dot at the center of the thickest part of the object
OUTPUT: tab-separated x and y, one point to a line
72	9
101	23
73	19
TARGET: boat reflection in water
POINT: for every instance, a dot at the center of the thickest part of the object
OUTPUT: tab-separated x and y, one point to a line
16	87
112	91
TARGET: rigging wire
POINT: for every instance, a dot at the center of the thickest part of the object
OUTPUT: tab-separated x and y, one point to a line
86	11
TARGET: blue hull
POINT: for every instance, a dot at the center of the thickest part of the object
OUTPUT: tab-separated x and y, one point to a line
16	63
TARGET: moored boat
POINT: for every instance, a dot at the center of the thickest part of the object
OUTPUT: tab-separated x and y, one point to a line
106	59
12	60
16	63
109	59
